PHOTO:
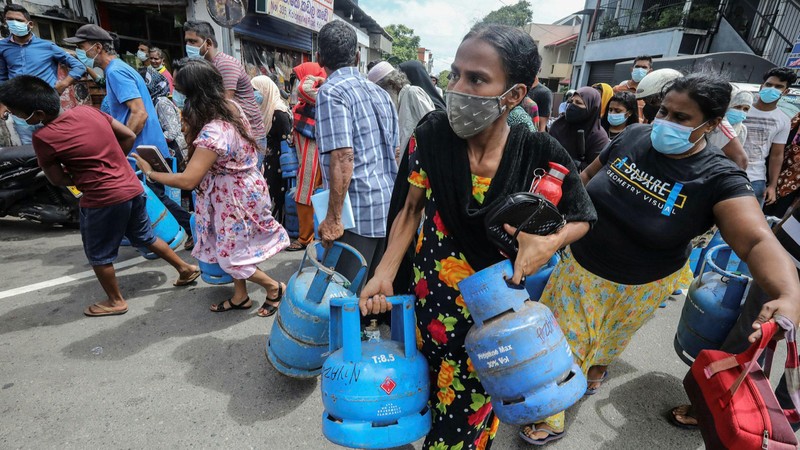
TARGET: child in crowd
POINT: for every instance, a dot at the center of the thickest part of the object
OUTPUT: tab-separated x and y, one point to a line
87	148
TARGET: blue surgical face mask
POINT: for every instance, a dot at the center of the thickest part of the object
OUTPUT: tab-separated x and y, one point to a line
638	74
194	52
179	99
84	58
17	28
259	96
141	55
735	116
671	138
616	118
770	94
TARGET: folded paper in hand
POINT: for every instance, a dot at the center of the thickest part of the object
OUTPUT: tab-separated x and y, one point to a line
320	203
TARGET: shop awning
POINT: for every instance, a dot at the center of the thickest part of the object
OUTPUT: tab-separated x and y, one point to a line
146	2
275	32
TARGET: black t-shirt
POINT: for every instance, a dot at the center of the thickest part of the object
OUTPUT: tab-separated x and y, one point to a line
543	98
650	207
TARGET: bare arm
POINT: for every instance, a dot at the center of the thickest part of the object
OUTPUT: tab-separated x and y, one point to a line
535	250
590	171
56	175
198	167
124	136
138	115
735	152
543	123
743	227
341	171
774	170
400	237
230	94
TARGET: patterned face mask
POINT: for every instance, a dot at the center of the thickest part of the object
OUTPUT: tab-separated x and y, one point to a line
470	114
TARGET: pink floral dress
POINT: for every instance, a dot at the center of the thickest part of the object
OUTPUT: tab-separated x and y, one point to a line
234	226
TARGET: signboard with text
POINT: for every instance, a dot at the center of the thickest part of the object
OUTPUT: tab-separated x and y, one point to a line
311	14
793	60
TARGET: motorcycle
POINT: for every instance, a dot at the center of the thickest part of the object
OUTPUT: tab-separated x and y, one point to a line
26	193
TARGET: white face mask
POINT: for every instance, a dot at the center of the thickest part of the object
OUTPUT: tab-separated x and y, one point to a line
470	114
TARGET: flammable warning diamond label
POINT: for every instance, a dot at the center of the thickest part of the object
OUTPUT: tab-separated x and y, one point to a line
388	385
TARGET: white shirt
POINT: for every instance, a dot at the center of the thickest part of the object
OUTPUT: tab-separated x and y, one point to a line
764	128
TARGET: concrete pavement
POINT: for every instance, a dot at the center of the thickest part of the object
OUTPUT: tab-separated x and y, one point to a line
171	374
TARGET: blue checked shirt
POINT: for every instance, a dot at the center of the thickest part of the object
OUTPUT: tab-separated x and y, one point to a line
354	112
39	57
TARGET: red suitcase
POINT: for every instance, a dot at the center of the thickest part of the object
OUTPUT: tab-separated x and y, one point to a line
733	401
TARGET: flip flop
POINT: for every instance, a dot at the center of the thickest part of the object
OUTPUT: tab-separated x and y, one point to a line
106	311
674	420
551	436
594	391
187	281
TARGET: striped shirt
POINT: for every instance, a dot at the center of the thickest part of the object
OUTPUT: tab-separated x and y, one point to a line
354	112
235	78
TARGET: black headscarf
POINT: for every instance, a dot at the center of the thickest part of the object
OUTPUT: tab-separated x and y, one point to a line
594	137
444	157
418	76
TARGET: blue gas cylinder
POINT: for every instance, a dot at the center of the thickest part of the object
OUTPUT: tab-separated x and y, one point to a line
164	224
211	273
716	240
288	160
536	283
290	220
375	393
518	350
713	303
298	341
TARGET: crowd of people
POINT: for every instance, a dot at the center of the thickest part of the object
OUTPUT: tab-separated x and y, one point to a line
654	162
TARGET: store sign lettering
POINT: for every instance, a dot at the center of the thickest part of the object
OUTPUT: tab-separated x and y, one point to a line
311	14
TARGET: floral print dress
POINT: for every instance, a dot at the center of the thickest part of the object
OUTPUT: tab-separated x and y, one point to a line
462	412
234	226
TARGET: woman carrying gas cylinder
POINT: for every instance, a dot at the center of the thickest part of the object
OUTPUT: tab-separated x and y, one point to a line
655	188
465	160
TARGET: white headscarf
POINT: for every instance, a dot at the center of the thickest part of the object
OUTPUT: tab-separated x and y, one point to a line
740	97
272	99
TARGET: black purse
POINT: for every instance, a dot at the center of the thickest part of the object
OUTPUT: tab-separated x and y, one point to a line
525	211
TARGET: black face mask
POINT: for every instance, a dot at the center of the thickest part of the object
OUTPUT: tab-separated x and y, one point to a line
575	114
650	112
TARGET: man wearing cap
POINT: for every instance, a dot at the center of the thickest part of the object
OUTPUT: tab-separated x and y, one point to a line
24	53
128	101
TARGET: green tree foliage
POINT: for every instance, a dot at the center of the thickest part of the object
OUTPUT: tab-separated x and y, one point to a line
404	43
443	79
513	15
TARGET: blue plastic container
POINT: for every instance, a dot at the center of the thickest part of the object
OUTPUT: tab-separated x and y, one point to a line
375	393
298	342
211	273
518	350
712	305
288	160
536	283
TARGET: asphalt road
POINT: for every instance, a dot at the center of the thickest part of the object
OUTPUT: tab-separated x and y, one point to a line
171	374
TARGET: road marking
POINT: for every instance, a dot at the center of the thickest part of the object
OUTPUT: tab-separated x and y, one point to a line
66	279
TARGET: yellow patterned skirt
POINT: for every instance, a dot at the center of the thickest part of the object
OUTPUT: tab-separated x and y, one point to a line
599	317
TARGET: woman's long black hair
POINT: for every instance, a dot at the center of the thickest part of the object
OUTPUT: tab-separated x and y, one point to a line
711	92
201	83
628	100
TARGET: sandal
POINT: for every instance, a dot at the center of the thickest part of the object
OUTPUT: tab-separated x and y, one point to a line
592	391
269	310
535	428
296	246
187	281
104	311
684	411
189	244
221	307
